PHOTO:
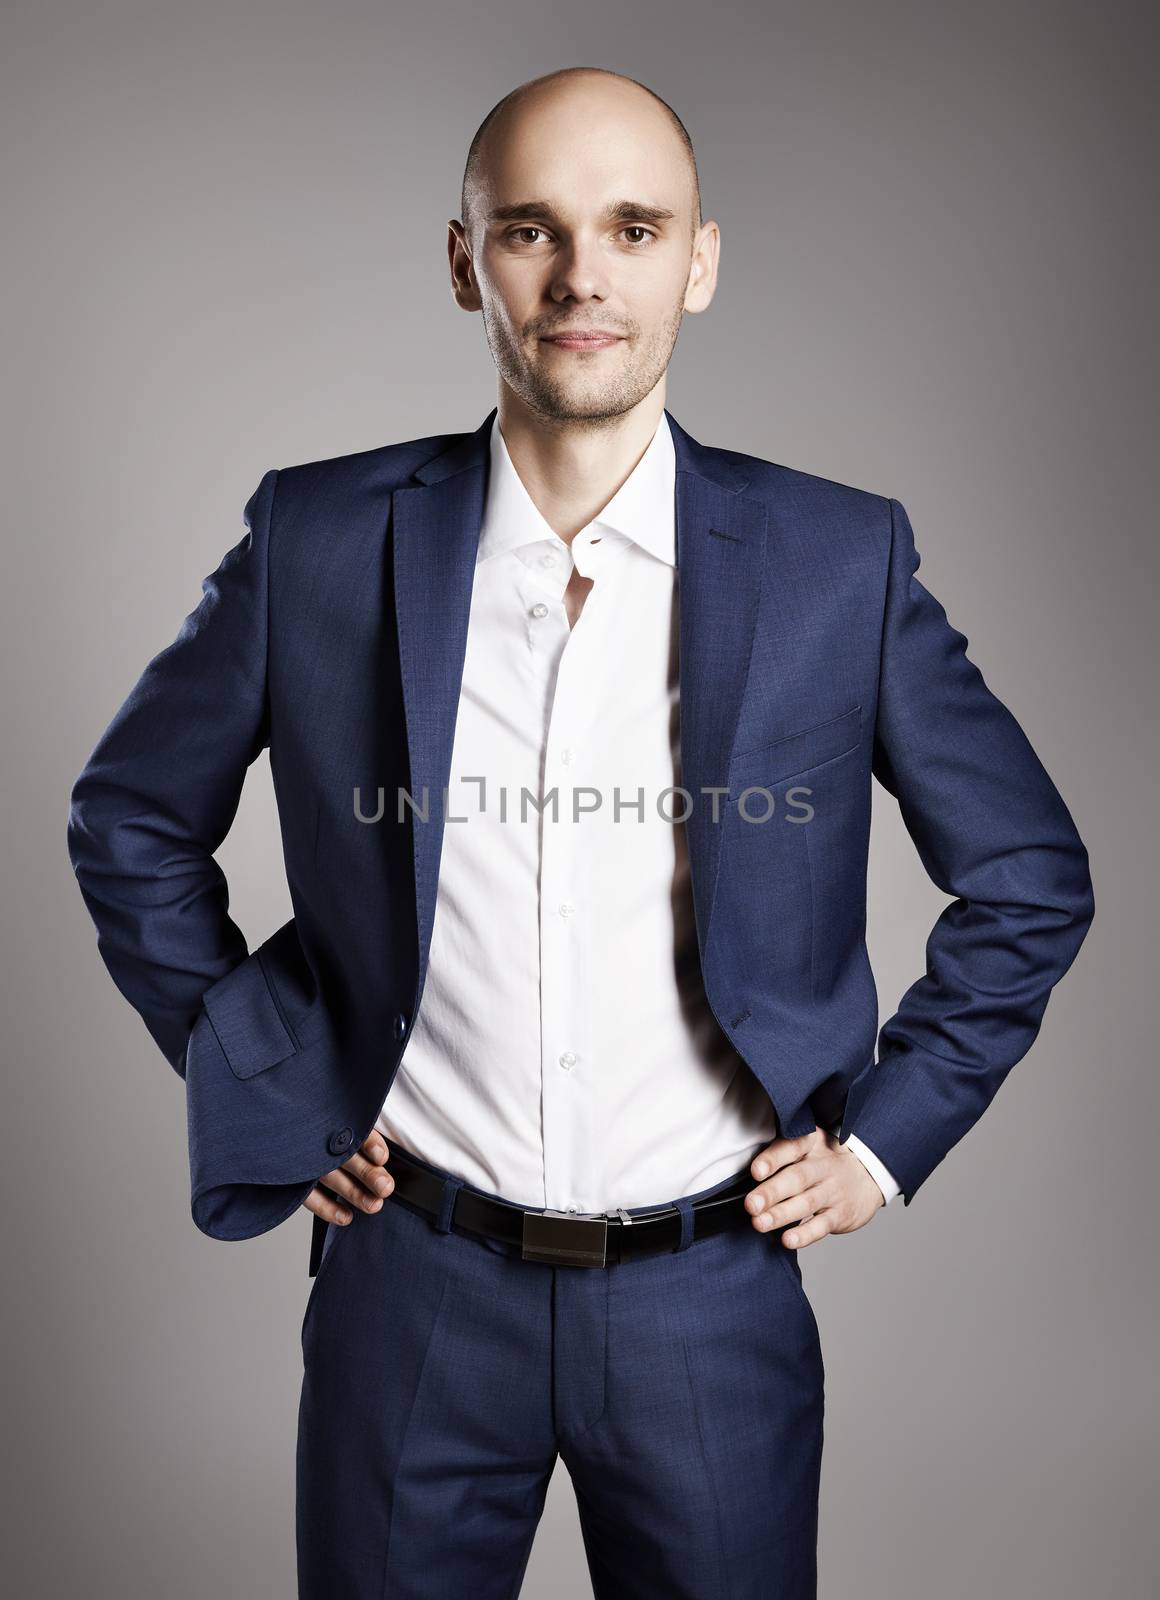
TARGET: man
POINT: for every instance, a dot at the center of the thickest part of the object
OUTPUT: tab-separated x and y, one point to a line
567	1085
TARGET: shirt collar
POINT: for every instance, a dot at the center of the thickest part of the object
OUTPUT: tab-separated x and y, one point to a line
643	509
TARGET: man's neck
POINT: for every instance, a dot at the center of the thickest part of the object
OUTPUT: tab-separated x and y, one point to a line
571	470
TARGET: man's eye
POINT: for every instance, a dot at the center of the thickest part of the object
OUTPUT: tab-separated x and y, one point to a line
646	234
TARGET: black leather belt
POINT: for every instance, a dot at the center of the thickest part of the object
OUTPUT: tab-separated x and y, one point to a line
560	1238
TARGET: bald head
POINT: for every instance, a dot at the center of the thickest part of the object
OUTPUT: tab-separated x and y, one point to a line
603	95
581	211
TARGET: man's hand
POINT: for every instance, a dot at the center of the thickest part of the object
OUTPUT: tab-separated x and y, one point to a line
814	1182
362	1180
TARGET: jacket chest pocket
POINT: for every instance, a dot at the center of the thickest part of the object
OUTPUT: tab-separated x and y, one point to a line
795	754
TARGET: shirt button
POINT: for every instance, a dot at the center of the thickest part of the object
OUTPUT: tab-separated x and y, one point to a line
571	1208
539	609
568	1059
547	561
566	756
566	909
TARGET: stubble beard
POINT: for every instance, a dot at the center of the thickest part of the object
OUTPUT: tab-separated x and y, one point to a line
595	401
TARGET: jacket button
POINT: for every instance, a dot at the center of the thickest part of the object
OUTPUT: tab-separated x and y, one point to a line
400	1024
339	1140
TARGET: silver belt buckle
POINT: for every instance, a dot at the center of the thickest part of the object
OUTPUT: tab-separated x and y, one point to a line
566	1238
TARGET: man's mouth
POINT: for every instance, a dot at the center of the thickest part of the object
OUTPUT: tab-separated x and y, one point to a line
582	341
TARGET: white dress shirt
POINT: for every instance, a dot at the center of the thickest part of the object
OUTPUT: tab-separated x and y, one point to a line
564	1054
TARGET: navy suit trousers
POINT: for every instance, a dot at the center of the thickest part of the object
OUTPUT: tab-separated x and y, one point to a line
443	1375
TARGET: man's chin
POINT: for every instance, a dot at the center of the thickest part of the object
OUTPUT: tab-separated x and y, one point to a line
583	405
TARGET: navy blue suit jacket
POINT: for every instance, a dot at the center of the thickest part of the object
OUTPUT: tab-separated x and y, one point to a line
811	658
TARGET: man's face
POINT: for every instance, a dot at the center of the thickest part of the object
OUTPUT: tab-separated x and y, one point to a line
584	224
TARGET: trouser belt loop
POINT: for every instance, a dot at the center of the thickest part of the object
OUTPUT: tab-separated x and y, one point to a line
451	1188
685	1206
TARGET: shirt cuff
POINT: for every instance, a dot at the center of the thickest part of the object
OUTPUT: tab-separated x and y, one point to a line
881	1174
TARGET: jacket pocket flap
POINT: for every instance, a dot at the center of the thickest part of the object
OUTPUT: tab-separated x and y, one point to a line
247	1022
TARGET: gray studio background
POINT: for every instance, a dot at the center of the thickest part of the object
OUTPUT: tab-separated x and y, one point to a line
224	243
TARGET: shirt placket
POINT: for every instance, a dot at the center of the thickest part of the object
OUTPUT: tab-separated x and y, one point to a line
569	1072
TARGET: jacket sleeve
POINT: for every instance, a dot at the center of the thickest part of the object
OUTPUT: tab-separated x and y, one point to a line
991	831
159	792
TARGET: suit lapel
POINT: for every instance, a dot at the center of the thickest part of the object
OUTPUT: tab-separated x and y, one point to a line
436	534
720	552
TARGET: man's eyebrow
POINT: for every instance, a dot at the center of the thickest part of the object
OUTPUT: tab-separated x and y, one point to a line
618	211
